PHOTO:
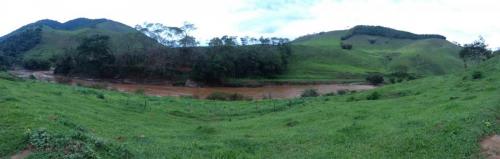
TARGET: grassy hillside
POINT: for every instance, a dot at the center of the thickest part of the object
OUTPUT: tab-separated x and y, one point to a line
56	38
55	41
434	117
320	56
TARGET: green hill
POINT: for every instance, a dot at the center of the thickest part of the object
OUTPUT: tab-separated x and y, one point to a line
46	39
374	49
433	117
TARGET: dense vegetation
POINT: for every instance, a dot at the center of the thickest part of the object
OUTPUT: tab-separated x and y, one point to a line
387	32
232	61
434	117
93	58
12	46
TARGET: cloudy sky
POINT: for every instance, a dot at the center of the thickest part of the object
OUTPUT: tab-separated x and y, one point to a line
460	20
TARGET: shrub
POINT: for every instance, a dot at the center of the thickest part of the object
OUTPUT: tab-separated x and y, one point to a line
140	91
292	123
477	75
375	79
342	92
346	46
400	76
100	96
372	41
310	93
352	99
373	96
392	80
76	144
330	94
206	129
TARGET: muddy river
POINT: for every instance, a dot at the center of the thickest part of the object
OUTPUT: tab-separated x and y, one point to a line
269	91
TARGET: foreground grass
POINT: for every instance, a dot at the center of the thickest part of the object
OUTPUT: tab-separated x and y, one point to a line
438	117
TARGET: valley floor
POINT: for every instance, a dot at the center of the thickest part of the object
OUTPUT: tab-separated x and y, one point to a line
435	117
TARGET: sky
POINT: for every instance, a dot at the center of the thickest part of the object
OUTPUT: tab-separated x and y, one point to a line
460	21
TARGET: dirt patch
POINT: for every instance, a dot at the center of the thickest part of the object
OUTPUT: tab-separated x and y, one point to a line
23	154
490	147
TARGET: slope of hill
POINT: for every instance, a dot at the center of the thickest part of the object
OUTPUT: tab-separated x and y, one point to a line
434	117
55	38
321	57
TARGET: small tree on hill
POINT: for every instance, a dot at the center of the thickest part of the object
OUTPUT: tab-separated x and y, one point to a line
475	52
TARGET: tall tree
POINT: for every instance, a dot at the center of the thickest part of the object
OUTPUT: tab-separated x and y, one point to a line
229	40
475	52
215	42
169	35
245	40
163	34
186	39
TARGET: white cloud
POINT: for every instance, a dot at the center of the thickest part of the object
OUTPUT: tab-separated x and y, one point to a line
459	20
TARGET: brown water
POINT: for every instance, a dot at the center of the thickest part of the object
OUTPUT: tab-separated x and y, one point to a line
269	91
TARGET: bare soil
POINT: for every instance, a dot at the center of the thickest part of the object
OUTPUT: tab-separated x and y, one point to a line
21	155
490	147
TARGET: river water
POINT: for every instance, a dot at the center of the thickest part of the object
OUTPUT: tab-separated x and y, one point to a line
269	91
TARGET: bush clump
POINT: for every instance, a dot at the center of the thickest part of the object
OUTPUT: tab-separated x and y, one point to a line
477	75
346	46
397	77
75	144
310	93
342	92
373	96
375	79
329	94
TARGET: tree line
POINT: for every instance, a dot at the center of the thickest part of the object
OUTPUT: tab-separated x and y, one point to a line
224	57
387	32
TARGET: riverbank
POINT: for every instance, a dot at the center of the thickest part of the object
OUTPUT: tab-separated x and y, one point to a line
272	89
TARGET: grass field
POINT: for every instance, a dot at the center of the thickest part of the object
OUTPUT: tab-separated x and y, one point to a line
434	117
